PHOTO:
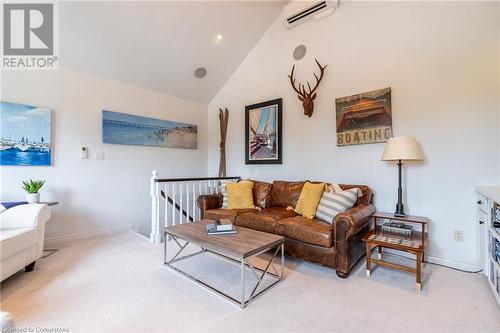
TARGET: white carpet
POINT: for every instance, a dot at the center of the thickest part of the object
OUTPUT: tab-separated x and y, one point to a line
119	284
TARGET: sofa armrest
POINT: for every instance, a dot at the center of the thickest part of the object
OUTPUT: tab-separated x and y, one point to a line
25	216
348	228
209	201
353	219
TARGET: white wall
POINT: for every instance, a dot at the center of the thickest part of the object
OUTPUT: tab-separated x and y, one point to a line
95	195
441	61
498	87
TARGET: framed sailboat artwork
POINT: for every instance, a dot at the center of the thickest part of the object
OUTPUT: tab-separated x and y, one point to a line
24	135
263	132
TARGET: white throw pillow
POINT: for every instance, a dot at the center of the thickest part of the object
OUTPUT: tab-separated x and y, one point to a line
2	209
333	203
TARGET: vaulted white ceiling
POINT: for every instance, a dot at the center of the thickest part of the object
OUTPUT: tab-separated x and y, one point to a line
158	45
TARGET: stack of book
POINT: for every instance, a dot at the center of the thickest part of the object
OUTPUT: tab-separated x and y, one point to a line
397	228
220	227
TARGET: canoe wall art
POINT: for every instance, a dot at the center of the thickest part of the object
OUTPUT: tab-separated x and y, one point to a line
24	135
127	129
364	118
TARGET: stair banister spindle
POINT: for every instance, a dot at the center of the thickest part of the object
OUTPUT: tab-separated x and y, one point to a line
199	193
194	200
180	203
166	204
188	206
173	204
154	236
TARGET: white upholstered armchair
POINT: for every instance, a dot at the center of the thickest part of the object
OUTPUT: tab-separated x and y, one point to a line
22	230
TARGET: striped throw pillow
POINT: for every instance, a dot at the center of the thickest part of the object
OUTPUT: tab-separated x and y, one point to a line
333	203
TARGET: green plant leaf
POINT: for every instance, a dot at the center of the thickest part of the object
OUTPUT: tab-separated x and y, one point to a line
33	186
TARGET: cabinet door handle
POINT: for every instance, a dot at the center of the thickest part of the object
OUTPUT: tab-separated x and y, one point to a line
479	202
481	222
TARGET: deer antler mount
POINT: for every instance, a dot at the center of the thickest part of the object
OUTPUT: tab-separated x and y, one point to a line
307	96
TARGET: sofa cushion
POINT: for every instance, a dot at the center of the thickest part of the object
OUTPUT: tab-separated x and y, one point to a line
284	194
310	231
263	220
214	214
261	192
13	240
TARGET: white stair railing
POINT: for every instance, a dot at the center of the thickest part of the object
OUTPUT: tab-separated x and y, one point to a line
173	200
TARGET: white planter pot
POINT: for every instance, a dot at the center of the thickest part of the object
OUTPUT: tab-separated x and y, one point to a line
33	197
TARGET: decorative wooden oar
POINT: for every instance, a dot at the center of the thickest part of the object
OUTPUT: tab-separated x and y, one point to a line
223	119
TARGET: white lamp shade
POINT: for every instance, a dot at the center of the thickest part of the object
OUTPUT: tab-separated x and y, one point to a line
404	148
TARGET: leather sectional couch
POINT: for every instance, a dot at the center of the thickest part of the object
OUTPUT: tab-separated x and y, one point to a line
337	245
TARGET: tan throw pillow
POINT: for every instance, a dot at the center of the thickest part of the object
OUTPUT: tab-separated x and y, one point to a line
240	195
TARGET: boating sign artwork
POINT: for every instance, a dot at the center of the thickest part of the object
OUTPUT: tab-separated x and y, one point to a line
364	118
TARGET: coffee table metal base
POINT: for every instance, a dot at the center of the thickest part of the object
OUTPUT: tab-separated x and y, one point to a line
243	263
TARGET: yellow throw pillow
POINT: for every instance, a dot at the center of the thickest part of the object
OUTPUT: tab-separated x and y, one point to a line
309	199
240	195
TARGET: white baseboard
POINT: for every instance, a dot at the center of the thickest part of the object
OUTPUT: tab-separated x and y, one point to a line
440	261
141	236
53	241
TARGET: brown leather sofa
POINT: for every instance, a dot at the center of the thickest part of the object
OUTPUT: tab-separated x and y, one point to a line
337	245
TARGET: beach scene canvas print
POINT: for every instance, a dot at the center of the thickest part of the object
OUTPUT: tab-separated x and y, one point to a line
24	135
128	129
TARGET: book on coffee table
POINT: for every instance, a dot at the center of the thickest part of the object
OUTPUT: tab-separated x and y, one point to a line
216	229
223	224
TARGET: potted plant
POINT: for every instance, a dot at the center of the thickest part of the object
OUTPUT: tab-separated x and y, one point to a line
32	187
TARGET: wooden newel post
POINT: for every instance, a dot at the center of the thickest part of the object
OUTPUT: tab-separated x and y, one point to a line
155	236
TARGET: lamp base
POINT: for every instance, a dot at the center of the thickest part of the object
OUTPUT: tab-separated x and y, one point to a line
400	210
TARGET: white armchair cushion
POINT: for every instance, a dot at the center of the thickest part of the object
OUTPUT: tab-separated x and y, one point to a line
13	241
25	216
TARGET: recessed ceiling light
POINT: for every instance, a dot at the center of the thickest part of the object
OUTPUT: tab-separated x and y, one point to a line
200	72
218	37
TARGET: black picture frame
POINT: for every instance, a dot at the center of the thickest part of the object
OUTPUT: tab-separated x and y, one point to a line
274	142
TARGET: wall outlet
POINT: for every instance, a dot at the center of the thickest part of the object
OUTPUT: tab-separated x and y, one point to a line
458	236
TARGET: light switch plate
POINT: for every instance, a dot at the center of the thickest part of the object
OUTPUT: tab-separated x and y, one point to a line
99	156
84	152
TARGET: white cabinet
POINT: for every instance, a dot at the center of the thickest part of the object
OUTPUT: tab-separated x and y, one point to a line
482	233
488	198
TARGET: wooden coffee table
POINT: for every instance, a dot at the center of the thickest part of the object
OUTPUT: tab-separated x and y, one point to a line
237	248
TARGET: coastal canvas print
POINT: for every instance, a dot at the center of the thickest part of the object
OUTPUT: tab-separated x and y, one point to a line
127	129
364	118
263	133
24	135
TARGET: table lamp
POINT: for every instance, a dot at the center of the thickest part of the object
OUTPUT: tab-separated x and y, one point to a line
402	148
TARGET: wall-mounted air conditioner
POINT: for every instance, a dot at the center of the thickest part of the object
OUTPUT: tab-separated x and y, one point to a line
298	12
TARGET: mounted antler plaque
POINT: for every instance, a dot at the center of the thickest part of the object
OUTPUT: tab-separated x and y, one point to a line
307	96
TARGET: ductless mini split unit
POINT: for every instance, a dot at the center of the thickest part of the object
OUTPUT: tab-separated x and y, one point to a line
298	12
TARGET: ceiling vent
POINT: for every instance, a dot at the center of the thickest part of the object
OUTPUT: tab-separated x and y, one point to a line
298	12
